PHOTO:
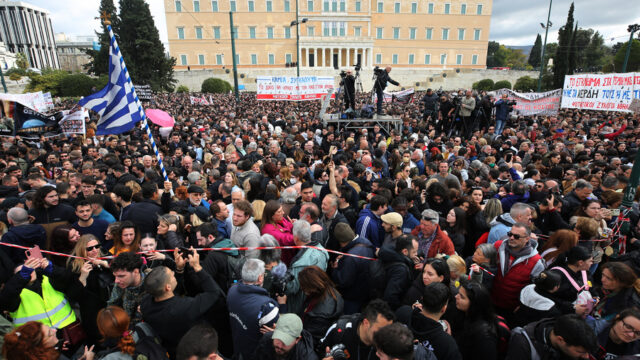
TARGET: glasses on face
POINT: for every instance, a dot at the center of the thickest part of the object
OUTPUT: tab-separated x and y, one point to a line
629	329
515	236
93	247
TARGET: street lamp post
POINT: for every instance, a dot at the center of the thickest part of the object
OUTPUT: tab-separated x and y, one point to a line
544	46
297	24
632	29
4	85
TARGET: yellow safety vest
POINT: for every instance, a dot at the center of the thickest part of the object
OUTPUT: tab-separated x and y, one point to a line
51	309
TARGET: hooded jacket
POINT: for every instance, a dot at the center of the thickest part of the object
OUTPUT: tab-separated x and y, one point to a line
24	235
369	226
319	316
534	306
244	303
303	350
398	275
351	275
304	258
429	333
505	292
500	226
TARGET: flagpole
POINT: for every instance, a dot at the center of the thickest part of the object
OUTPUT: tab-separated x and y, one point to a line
142	114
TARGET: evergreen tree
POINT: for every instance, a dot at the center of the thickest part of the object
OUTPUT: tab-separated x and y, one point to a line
141	48
573	52
534	56
595	54
561	60
99	63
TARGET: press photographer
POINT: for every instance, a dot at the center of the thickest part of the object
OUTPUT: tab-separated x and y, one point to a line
430	101
382	77
348	83
504	106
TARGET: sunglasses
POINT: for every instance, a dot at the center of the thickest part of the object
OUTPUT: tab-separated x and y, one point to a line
94	247
515	236
428	218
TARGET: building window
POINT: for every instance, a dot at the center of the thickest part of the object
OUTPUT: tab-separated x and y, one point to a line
343	29
460	34
379	33
443	59
254	59
474	60
287	58
396	8
196	6
380	6
378	58
272	59
411	58
252	32
430	9
334	29
447	9
343	6
235	32
310	5
216	32
479	9
427	59
287	32
219	59
178	6
326	30
325	6
237	59
396	33
429	33
414	8
232	5
459	59
214	5
445	34
394	59
198	32
269	6
181	33
311	31
201	59
334	6
357	31
358	6
476	34
412	33
251	5
270	32
287	6
183	59
463	9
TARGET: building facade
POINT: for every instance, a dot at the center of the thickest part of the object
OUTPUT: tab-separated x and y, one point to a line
332	33
26	28
72	52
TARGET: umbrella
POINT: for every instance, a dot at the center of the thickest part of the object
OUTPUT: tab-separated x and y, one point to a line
160	117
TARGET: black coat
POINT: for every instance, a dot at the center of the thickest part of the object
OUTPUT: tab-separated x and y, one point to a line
383	79
351	275
25	235
429	333
477	341
303	350
319	315
144	215
398	275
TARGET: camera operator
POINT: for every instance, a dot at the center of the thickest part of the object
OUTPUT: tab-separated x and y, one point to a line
349	85
485	111
446	112
468	104
430	101
381	83
503	108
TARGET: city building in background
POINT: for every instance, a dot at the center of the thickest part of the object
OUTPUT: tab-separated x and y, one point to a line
333	34
26	28
71	51
7	58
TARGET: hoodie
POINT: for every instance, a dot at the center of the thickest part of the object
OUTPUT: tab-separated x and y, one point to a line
429	333
500	226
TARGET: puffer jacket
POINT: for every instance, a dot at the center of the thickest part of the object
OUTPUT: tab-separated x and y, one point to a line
500	226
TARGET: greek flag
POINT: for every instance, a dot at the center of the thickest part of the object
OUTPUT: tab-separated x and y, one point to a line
117	103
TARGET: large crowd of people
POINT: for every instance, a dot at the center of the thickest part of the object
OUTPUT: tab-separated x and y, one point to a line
470	232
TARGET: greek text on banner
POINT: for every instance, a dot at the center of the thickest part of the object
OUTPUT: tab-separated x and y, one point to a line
613	92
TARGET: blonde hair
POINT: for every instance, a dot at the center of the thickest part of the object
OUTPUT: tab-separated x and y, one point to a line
456	264
258	208
80	250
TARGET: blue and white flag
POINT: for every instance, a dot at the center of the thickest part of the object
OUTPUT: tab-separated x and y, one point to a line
117	103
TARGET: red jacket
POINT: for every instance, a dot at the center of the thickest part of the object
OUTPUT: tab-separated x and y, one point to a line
505	292
441	243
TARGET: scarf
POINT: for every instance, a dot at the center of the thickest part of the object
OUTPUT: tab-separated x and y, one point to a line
515	254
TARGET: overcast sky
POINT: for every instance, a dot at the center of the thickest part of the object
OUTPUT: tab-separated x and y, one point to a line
513	22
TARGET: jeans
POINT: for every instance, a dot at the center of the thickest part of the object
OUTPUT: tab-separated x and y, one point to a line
500	123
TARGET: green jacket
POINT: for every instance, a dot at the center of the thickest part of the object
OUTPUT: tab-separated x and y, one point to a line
304	258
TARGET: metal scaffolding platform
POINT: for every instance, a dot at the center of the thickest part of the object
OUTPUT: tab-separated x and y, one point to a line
386	122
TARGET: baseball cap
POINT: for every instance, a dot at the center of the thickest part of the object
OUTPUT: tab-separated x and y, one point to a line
268	315
288	328
392	218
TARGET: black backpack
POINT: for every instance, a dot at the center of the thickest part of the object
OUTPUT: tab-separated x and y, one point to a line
147	344
377	276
